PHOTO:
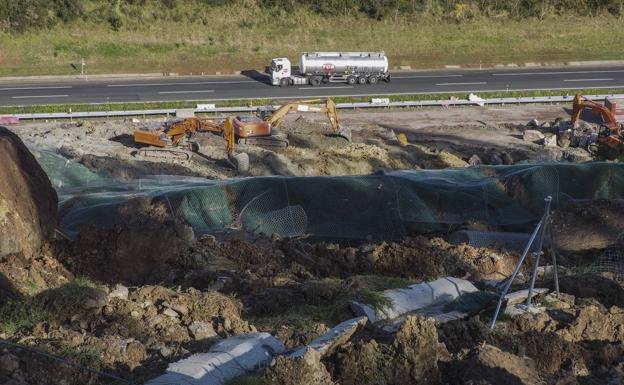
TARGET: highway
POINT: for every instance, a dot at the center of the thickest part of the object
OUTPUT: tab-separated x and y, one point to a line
255	85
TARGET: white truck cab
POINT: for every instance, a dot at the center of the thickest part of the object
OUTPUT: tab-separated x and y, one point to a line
281	71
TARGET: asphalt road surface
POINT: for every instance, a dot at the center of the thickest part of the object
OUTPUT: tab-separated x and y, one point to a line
256	85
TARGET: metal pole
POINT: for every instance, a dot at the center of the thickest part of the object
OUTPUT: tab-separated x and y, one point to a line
553	253
515	273
538	253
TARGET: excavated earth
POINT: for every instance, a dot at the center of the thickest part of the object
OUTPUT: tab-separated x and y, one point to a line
465	136
128	300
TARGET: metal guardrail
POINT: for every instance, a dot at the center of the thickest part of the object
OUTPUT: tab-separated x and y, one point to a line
404	104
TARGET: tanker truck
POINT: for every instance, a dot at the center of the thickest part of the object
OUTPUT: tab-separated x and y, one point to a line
316	68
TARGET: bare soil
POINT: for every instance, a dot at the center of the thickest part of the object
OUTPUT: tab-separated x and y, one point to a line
132	298
437	138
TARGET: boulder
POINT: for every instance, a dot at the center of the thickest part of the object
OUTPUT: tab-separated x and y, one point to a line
306	369
119	291
550	141
475	160
532	136
564	139
202	330
28	203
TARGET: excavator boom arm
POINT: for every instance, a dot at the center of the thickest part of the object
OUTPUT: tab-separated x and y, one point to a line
312	105
580	103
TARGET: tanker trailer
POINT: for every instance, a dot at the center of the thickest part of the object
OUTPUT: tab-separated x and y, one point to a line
316	68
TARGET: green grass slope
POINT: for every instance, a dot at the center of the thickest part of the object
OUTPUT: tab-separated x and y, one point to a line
41	37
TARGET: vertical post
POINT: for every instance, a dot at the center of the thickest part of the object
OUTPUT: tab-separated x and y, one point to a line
540	243
553	253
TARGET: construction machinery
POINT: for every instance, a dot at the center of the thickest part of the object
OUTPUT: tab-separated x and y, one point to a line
610	133
175	139
260	130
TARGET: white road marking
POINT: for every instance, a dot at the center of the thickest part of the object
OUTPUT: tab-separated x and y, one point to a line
185	92
589	80
325	88
460	84
39	96
179	84
382	94
34	88
427	76
557	73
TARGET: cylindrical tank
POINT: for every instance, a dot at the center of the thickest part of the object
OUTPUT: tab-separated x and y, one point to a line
343	62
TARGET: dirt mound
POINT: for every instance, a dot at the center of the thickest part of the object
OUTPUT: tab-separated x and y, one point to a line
133	333
604	290
489	365
28	203
20	275
128	169
411	358
306	370
593	324
419	258
135	250
588	225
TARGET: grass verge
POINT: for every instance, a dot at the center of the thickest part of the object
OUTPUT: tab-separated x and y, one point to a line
241	35
51	108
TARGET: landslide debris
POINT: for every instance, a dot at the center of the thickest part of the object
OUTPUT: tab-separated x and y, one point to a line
133	251
116	329
411	357
489	365
304	370
28	203
588	225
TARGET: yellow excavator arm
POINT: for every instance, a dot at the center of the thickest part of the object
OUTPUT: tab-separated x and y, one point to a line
312	105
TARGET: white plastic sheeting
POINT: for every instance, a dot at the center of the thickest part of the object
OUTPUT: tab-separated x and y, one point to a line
225	360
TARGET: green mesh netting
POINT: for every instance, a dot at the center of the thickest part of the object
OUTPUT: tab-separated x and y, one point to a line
372	207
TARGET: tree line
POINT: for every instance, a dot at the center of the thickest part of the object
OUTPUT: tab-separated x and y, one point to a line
21	15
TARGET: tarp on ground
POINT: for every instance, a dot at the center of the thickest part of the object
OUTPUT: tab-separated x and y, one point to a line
372	207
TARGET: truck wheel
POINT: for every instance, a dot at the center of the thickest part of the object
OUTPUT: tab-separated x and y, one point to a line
387	78
316	80
284	82
373	79
362	80
351	80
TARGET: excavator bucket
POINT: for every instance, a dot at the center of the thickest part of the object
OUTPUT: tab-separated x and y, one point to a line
332	115
344	133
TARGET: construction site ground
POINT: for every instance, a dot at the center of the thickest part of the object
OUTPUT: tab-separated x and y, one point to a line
438	138
131	299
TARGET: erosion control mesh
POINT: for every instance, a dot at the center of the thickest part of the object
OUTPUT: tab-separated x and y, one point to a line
373	207
612	261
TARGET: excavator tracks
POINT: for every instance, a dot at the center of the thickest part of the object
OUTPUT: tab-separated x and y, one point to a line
270	142
164	153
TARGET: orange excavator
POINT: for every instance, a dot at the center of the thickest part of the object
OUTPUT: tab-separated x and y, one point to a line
256	129
175	139
610	133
